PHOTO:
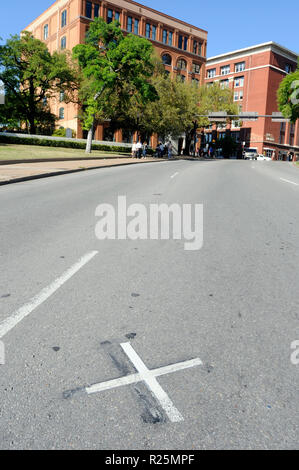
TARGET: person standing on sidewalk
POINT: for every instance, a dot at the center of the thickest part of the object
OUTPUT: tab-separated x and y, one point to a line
134	149
169	148
139	149
144	150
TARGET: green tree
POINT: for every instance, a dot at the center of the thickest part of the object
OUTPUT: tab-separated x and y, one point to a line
213	98
172	114
288	96
31	77
116	69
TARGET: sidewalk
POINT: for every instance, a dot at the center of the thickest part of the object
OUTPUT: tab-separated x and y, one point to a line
11	173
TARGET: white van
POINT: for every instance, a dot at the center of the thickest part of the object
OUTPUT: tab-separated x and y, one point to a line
250	154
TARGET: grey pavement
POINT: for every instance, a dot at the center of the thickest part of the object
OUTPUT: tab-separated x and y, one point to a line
234	304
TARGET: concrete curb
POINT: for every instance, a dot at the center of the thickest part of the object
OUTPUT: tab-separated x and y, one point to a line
66	172
48	160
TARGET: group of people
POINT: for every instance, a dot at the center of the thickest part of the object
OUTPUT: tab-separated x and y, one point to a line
139	150
164	149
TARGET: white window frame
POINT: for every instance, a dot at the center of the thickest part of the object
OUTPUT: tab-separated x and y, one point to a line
211	73
225	70
240	67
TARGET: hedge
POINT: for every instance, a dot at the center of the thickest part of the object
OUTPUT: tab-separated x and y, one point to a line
5	139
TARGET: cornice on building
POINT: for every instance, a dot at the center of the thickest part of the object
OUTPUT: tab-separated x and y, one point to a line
257	49
135	8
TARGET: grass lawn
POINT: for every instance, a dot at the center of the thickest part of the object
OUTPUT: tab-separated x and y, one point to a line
23	152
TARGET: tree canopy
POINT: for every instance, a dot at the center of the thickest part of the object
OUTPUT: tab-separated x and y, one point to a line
288	96
31	77
116	69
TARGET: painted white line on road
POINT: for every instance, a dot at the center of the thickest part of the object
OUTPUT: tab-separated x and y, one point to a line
173	176
290	182
10	322
149	377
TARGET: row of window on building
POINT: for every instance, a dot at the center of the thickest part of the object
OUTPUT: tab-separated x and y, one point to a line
181	64
291	136
225	70
133	26
239	67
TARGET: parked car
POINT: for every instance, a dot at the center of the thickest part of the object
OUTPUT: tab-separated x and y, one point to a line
264	158
250	154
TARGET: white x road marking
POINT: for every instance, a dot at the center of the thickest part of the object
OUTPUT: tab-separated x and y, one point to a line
149	377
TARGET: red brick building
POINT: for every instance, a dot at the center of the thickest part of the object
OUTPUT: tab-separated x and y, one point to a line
254	75
181	46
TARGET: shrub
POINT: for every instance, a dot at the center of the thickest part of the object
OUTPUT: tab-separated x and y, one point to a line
61	143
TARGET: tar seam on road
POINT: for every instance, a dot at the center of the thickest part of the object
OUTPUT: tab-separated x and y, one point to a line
173	176
149	377
10	322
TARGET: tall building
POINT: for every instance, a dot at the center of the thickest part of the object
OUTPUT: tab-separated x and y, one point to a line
254	75
181	46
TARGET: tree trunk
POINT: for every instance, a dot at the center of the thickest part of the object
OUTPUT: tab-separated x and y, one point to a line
32	127
89	138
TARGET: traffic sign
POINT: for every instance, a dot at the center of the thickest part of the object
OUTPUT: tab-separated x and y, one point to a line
278	117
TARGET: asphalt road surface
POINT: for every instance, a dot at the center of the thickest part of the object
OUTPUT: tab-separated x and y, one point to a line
76	312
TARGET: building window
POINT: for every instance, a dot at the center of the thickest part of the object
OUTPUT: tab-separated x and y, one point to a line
148	30
136	26
292	134
109	16
166	59
236	96
154	32
225	70
61	96
195	47
63	18
185	44
180	45
288	68
224	84
240	67
170	38
88	9
181	64
282	133
211	73
199	48
117	16
181	78
96	10
130	24
63	43
195	82
61	113
241	95
196	68
239	82
164	37
46	31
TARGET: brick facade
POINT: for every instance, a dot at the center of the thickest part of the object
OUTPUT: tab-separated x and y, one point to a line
64	24
254	74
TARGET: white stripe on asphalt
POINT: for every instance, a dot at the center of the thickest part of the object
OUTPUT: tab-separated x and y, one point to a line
10	322
288	181
172	412
173	176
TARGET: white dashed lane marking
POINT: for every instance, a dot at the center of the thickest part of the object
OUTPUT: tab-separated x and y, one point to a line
288	181
12	321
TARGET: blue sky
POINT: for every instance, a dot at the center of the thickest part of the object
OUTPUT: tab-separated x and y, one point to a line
231	25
